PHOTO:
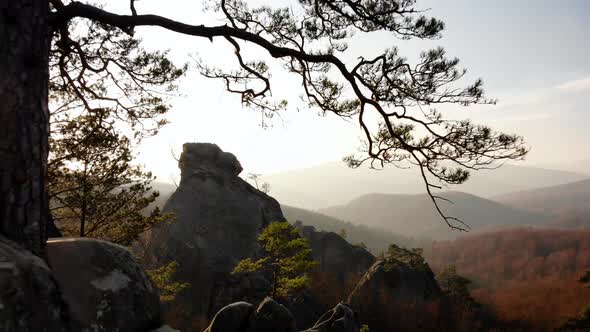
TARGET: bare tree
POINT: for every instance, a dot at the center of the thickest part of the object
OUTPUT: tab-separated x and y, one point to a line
262	186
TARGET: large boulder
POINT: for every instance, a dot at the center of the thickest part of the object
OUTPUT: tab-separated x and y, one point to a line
30	300
234	317
243	317
218	219
103	285
272	316
399	292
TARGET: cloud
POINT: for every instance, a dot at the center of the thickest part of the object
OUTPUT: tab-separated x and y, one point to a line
575	86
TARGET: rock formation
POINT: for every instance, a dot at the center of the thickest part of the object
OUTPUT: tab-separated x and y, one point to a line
243	317
334	254
30	300
397	293
272	316
103	285
218	219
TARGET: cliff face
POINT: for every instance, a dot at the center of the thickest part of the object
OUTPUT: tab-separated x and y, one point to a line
218	218
334	254
399	293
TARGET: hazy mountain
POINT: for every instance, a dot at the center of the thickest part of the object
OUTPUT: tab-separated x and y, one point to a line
567	204
334	183
376	239
415	215
581	166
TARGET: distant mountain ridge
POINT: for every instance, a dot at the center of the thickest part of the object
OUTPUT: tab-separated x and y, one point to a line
376	239
335	184
415	215
408	217
568	204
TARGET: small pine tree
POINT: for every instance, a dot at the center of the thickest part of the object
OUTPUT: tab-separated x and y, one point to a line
162	278
287	257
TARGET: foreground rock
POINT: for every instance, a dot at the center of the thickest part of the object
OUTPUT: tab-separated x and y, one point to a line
218	219
398	292
104	287
243	317
29	296
339	319
272	316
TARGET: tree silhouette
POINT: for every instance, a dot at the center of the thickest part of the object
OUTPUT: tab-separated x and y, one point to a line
94	188
309	43
106	94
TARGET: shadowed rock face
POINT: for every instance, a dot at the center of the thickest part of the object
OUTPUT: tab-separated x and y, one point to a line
218	219
400	286
30	300
334	254
103	285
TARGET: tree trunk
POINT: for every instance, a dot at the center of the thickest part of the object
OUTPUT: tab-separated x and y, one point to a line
24	121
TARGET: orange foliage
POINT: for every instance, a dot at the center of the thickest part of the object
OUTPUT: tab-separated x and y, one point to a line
385	311
543	305
527	276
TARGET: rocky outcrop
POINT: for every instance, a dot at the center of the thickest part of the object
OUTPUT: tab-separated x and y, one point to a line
30	300
272	316
397	293
218	219
103	285
334	254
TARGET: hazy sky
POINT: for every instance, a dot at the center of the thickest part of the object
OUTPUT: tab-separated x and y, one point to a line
532	55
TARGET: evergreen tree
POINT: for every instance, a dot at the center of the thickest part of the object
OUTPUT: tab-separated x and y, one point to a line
287	258
162	278
94	188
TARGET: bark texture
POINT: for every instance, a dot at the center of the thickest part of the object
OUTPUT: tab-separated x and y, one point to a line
24	49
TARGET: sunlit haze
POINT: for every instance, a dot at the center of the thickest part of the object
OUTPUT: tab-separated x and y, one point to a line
531	54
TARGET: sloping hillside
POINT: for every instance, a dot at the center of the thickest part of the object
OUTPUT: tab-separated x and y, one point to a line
415	215
527	275
375	239
334	183
567	204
